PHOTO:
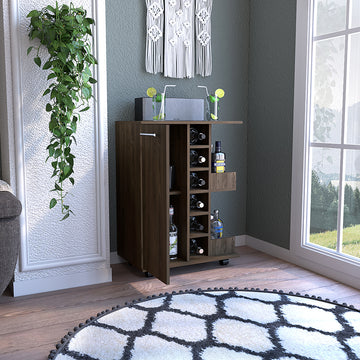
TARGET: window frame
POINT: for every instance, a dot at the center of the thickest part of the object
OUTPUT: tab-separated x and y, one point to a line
330	263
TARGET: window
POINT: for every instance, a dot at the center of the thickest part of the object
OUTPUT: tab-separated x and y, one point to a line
326	152
333	173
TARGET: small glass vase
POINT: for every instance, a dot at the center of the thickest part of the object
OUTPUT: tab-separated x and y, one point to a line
158	105
212	112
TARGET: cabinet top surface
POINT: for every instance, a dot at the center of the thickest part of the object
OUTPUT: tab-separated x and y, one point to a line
184	122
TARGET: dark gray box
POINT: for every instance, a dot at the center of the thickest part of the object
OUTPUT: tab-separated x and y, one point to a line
175	109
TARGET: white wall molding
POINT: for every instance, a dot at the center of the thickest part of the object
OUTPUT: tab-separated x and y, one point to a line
116	259
53	283
50	247
240	240
311	264
16	92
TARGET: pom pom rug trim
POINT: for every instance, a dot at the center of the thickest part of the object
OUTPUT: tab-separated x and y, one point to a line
215	324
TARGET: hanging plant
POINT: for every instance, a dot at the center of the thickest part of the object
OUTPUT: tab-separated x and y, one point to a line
65	32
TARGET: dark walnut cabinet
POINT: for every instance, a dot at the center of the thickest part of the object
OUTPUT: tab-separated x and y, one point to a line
145	150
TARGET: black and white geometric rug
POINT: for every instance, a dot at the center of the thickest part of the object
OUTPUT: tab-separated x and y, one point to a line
218	324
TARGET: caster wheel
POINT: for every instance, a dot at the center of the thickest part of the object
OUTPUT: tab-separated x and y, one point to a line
148	275
224	262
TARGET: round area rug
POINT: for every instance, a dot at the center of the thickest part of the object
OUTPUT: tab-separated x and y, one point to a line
217	324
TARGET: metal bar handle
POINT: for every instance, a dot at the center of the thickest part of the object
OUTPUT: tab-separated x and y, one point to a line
148	134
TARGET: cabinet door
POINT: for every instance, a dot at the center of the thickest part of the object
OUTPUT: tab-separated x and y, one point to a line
155	199
128	186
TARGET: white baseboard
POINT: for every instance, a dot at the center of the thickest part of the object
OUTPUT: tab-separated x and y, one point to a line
35	286
116	259
287	255
240	240
267	248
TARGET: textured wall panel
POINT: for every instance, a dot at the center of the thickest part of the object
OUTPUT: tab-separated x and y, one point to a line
51	248
48	238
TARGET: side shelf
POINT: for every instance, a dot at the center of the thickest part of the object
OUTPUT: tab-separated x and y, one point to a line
223	182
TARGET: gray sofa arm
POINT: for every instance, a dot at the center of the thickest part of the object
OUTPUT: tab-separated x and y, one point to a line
10	206
10	209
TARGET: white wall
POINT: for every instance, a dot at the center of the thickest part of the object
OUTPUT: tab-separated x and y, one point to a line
55	254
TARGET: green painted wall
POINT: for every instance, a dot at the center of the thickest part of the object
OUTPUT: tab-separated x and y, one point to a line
253	46
127	80
269	132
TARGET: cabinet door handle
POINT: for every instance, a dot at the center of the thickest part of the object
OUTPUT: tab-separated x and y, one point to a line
148	134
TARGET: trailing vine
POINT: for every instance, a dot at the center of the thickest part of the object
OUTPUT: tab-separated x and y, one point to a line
66	34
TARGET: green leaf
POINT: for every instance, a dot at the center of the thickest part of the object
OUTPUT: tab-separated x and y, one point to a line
50	8
65	217
85	77
51	151
62	88
58	152
73	126
29	50
86	92
53	202
85	109
33	13
92	81
51	76
57	187
57	132
48	107
67	170
62	57
68	78
79	19
52	125
47	65
37	61
34	34
53	94
47	91
72	180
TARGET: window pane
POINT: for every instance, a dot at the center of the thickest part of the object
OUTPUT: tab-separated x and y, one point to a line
355	13
327	90
353	90
330	16
324	197
351	233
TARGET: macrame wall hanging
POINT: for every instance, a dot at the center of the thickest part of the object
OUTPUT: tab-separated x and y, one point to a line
154	36
178	37
203	37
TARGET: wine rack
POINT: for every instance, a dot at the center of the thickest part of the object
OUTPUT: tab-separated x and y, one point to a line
145	150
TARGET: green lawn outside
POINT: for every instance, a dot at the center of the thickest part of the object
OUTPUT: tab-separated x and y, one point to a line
351	240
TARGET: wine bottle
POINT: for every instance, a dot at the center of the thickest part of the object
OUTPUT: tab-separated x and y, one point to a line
195	249
173	236
196	159
216	226
196	136
195	225
218	159
195	181
195	203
